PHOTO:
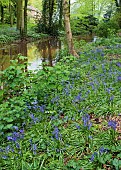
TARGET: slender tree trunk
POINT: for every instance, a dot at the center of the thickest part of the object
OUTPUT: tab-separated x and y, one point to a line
60	13
118	5
51	9
25	18
19	13
22	20
2	14
68	28
11	13
44	15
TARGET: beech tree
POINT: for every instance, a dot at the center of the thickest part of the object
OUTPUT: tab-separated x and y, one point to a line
22	17
66	13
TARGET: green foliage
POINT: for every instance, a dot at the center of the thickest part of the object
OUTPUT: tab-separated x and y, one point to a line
8	34
59	118
84	25
107	28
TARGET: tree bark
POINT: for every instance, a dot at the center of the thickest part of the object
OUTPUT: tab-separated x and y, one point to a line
25	18
118	5
2	14
19	14
68	28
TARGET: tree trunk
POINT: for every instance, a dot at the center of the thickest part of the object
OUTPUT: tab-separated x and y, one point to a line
68	28
25	18
11	13
19	14
51	9
60	13
2	14
118	5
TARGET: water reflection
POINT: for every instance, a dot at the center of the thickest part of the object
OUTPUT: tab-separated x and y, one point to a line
36	52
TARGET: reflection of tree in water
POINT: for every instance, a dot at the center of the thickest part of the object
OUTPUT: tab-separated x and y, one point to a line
11	52
49	49
45	51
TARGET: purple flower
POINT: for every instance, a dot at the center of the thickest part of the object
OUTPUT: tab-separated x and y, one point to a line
86	121
93	156
112	124
8	148
119	78
21	130
35	102
34	149
15	127
118	64
111	98
30	140
56	133
89	125
77	126
55	99
90	137
42	108
102	150
78	98
9	138
33	146
35	120
4	157
17	145
15	136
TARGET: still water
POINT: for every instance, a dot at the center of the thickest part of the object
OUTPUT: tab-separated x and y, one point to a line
37	52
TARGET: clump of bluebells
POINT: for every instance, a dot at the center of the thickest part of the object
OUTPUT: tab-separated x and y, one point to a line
65	121
86	121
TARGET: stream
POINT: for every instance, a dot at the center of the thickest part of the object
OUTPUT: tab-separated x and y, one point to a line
46	50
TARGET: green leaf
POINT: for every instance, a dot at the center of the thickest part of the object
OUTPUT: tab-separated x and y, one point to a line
8	126
1	127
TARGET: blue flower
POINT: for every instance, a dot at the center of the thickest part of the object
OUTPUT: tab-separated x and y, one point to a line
112	124
119	78
17	145
111	98
118	64
86	121
9	138
77	126
93	156
15	136
34	148
102	150
56	133
42	108
35	120
4	157
15	127
77	98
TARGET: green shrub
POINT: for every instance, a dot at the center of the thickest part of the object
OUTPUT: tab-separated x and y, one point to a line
107	28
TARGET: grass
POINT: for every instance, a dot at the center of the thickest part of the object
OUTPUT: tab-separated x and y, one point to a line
62	117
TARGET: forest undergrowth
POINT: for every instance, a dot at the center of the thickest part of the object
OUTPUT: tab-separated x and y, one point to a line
66	117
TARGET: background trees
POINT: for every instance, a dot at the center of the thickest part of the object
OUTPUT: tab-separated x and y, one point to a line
85	15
